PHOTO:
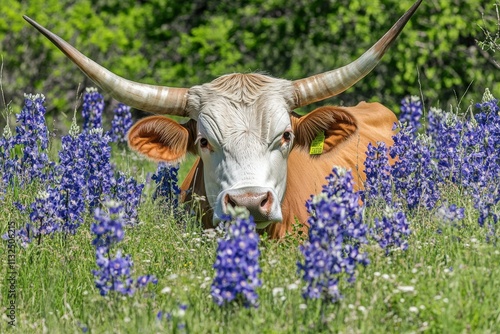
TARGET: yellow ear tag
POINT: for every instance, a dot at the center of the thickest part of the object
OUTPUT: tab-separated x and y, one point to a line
317	144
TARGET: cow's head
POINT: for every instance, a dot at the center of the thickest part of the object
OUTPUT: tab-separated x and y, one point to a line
241	125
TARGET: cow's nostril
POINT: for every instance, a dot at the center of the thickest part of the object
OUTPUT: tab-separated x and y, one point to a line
266	203
230	201
265	200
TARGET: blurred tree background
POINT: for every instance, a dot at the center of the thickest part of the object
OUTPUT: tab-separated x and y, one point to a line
185	43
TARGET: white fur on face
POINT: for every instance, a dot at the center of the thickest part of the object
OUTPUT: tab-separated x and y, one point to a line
245	141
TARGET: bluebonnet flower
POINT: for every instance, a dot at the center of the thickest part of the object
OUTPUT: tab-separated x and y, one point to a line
127	191
99	168
85	163
336	232
92	108
22	235
164	315
85	174
467	152
24	155
446	130
46	213
480	171
489	104
391	231
175	317
415	173
121	123
378	184
144	280
19	206
83	327
166	183
57	209
109	229
8	166
411	113
114	273
450	213
236	263
83	177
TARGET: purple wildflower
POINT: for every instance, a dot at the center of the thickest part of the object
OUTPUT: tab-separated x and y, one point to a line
411	112
236	263
85	163
24	155
415	173
467	152
93	105
450	214
392	231
480	169
166	183
45	215
108	230
378	185
489	104
336	232
142	281
127	191
164	315
22	235
121	123
114	273
8	166
82	179
176	324
82	175
446	130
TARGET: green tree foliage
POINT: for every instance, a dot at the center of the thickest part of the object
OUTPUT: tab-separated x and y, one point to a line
184	43
490	43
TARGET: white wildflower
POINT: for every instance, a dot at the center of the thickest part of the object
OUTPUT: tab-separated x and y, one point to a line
277	291
406	288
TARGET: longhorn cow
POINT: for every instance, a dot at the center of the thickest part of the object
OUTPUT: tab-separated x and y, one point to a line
253	149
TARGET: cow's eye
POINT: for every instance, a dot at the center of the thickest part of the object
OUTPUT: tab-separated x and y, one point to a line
287	136
203	142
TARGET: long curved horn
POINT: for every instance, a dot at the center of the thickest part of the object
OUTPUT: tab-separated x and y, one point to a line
155	99
322	86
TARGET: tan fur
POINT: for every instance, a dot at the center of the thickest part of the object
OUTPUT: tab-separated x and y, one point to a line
355	127
337	125
161	138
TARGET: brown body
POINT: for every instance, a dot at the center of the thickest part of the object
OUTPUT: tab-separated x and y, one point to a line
366	123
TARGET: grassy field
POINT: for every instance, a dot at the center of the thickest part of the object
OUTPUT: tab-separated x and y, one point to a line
444	283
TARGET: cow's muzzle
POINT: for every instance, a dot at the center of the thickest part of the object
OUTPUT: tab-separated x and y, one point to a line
262	203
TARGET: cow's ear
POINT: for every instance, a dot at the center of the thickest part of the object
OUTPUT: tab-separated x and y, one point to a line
161	138
336	123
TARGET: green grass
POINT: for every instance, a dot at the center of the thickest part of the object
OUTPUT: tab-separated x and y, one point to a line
453	277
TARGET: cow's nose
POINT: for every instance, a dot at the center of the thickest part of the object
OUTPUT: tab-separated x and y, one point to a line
259	204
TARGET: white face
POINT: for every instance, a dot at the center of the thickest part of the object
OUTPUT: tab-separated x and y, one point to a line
245	147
